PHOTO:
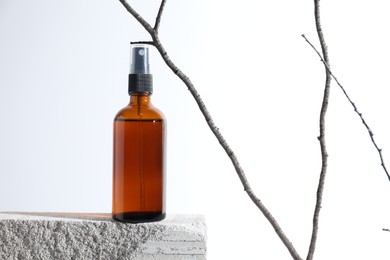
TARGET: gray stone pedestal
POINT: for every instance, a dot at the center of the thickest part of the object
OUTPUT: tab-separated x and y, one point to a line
96	236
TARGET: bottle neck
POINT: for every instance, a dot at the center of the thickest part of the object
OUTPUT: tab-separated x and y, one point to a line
140	99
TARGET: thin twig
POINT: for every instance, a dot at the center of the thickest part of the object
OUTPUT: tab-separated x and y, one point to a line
159	15
321	138
138	17
143	42
371	134
240	172
386	229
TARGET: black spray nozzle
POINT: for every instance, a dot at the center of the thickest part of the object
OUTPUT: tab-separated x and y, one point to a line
140	78
139	59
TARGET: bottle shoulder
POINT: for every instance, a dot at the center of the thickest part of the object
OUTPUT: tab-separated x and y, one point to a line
143	113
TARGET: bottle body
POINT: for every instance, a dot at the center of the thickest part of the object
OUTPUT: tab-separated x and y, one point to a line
139	162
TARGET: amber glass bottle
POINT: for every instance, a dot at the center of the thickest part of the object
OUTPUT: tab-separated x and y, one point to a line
139	149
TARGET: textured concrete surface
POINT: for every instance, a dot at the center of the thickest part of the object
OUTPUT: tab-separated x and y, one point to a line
96	236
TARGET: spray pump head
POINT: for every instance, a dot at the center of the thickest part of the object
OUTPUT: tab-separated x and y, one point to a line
140	79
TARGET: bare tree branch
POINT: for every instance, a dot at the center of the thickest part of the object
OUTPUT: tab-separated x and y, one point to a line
386	229
158	18
138	17
321	138
240	172
371	134
143	42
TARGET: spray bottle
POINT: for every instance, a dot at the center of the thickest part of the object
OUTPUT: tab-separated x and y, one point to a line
139	149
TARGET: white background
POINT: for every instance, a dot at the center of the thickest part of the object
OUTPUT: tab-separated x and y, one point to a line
63	77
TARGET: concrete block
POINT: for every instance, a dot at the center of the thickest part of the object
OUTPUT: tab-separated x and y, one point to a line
96	236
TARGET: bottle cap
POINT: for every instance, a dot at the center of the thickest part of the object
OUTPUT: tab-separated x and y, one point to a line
140	78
